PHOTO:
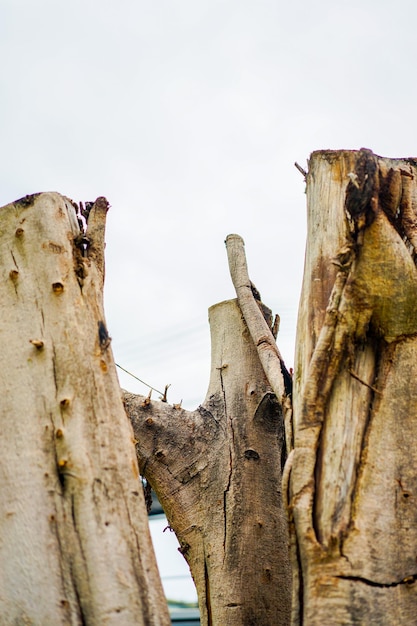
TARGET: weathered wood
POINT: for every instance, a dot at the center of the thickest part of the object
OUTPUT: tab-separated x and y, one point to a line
74	541
352	475
217	473
263	331
258	327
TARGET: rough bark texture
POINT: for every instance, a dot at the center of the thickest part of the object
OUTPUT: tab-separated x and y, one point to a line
74	541
353	471
217	473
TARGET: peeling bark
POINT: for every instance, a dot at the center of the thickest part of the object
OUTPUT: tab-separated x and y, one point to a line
217	474
74	541
352	475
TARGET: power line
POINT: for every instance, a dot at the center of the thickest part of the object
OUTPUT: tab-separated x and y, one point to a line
141	381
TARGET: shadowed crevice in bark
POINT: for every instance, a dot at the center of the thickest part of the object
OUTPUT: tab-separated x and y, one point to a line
408	580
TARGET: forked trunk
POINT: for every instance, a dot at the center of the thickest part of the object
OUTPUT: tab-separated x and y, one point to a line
217	472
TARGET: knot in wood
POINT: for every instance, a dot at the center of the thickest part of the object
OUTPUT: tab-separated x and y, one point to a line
14	274
38	343
252	454
57	288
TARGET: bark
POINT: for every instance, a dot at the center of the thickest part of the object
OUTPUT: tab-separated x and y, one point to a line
263	331
255	316
352	474
74	541
217	473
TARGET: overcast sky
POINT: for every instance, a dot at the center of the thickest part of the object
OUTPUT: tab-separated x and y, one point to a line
188	116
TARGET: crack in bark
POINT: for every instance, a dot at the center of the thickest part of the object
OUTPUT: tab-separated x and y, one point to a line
61	551
54	369
14	273
229	480
77	595
300	575
408	580
14	259
144	605
363	382
208	600
225	493
83	560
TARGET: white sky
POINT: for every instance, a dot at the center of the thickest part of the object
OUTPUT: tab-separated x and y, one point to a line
176	579
188	116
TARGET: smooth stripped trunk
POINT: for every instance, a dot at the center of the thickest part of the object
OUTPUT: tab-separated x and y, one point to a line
74	541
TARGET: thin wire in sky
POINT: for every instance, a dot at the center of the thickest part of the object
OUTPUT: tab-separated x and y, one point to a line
141	381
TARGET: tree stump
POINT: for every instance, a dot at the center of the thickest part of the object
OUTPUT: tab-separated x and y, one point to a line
74	540
353	472
217	474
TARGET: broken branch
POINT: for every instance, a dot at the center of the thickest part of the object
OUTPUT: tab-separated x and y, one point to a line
259	330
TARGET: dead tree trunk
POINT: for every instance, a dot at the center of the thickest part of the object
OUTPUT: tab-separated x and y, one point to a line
353	471
217	473
74	540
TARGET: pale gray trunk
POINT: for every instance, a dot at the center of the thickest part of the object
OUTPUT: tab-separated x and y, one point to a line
217	472
74	541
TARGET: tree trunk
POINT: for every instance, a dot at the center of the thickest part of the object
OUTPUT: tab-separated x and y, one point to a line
353	477
217	473
74	541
